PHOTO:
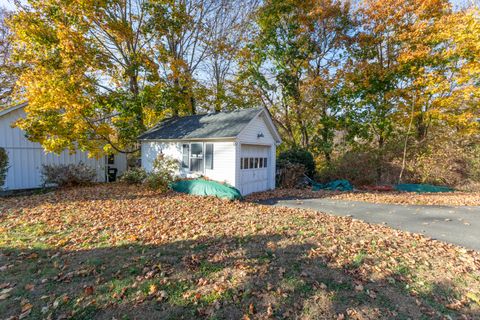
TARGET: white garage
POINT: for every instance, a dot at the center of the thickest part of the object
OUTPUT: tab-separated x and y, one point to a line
236	147
254	167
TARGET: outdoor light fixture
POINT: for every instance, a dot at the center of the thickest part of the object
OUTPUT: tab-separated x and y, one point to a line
260	135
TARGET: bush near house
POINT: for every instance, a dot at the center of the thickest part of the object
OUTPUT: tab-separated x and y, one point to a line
292	166
163	173
134	176
3	166
66	175
290	175
297	156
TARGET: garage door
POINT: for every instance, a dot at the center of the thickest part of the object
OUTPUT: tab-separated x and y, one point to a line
254	166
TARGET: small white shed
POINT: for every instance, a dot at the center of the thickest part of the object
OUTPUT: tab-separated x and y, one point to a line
26	157
236	147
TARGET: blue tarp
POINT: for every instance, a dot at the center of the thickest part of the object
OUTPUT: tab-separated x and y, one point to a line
412	187
336	185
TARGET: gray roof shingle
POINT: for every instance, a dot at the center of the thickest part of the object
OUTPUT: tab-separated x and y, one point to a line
205	126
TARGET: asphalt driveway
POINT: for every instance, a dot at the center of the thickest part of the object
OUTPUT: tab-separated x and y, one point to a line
457	225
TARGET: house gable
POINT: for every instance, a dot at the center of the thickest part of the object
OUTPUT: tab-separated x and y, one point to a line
260	130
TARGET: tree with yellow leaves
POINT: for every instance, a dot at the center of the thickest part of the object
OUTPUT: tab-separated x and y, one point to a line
90	78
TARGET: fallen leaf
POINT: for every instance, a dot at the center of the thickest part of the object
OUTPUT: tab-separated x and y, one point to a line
4	296
472	296
88	290
29	287
269	310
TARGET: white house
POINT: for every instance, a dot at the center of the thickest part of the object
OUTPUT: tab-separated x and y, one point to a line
236	147
26	157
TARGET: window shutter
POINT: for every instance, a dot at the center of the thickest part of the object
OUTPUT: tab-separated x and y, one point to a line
185	155
209	156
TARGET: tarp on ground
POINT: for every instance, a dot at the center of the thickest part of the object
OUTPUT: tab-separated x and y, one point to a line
413	187
336	185
201	187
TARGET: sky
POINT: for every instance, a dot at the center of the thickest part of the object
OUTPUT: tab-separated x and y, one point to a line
9	4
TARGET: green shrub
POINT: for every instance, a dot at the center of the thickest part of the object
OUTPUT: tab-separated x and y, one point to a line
134	176
66	175
3	166
164	172
297	156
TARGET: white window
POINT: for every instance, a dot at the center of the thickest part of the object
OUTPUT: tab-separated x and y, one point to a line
195	159
253	163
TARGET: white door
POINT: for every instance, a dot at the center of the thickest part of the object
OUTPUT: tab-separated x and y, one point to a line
254	164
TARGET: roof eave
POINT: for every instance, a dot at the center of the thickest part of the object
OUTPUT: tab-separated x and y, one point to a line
189	139
13	108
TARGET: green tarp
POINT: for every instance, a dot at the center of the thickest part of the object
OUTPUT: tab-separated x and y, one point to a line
337	185
412	187
202	187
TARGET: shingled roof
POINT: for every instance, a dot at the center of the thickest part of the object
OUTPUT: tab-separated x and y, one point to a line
205	126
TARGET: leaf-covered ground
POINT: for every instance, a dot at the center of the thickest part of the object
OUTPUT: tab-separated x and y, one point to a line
114	251
392	197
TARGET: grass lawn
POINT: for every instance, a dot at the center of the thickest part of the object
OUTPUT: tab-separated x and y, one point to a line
125	252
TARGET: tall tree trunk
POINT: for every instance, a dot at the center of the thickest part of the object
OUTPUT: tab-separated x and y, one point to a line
193	104
421	126
404	157
327	152
134	89
381	143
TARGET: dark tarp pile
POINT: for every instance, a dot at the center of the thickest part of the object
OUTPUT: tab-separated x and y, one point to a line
412	187
336	185
202	187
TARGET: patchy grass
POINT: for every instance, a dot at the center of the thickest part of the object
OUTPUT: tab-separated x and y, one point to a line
115	251
391	197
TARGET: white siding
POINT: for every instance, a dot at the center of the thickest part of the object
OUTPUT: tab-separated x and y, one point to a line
223	163
249	134
272	168
151	149
224	169
120	163
26	158
26	165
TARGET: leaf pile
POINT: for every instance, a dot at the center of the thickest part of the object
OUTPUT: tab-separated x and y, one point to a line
114	250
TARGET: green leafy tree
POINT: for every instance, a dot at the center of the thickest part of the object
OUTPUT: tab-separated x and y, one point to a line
380	81
294	65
